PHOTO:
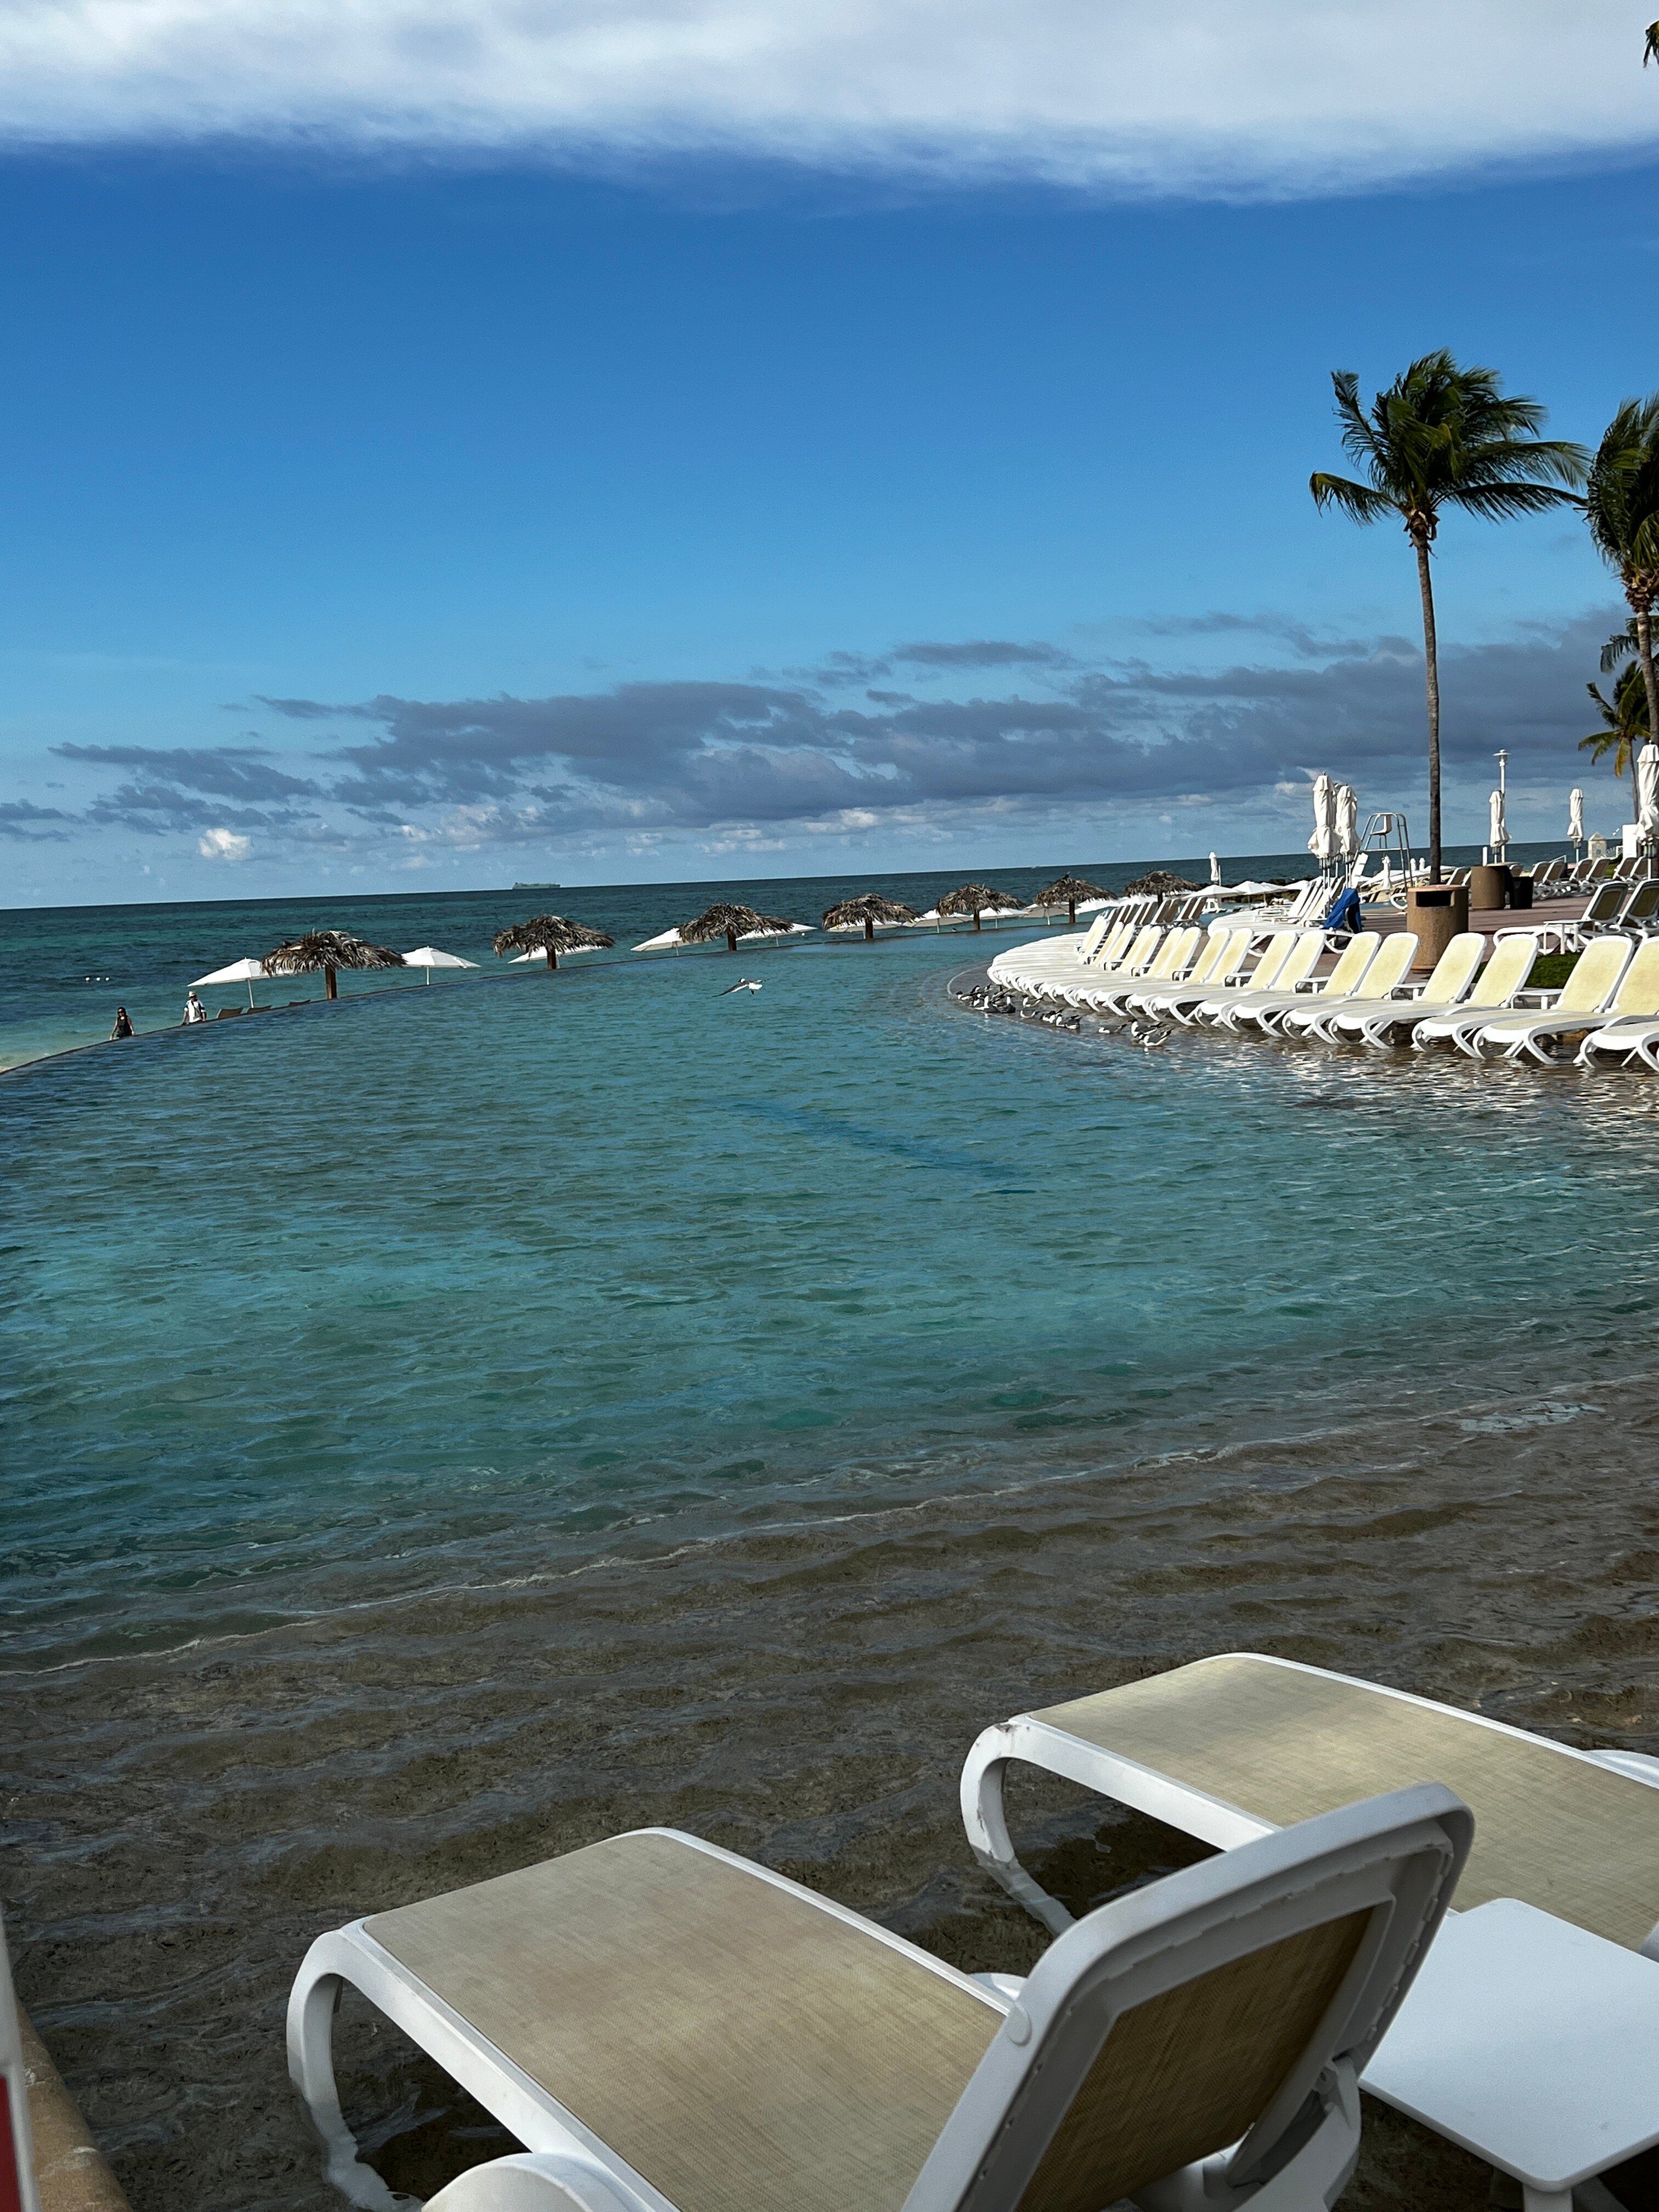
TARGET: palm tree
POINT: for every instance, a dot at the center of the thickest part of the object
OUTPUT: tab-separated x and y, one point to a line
1621	505
1444	436
1625	725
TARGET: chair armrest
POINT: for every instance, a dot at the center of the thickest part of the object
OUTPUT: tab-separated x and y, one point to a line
1542	999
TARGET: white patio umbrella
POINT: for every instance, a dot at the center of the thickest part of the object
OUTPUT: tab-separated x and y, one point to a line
1215	869
666	942
1575	817
240	971
1322	843
1498	837
429	957
1347	821
1647	793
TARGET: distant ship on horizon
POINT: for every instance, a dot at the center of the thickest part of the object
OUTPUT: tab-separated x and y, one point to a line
538	887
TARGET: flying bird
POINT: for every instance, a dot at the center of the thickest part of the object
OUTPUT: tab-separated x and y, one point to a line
743	983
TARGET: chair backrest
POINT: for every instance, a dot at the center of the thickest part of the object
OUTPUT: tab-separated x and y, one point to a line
1455	969
1274	953
1201	2012
1604	907
1638	990
1300	962
1235	949
1641	906
1356	958
1110	949
1511	963
1209	960
1099	930
1596	978
1550	872
1392	965
17	2152
1175	953
1139	958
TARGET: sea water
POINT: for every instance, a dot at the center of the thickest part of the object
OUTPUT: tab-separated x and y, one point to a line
440	1282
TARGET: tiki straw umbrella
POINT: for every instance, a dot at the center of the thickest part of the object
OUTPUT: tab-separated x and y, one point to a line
976	899
869	908
329	950
733	923
1159	882
1071	889
552	934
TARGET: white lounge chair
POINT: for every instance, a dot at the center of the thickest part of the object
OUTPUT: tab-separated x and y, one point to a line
1566	1860
1386	973
1588	994
1135	962
1371	1021
667	2027
1504	974
1224	955
1262	1009
1174	960
1288	956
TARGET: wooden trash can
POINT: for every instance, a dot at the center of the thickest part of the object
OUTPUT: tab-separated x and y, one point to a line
1437	912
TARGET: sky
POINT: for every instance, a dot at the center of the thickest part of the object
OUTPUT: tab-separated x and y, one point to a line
444	442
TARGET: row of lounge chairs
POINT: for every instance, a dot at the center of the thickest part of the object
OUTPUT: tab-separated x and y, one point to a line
667	2027
1610	1002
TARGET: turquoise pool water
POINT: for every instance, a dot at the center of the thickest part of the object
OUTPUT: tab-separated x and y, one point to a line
449	1285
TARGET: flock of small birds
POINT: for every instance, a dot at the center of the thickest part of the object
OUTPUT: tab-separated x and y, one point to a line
990	999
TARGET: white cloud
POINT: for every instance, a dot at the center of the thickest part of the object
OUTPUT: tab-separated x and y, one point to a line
1283	96
223	845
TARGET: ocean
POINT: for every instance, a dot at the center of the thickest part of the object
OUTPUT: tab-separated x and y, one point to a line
446	1426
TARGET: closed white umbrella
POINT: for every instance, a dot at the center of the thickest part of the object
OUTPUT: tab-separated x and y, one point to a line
1347	821
1322	843
1575	817
1215	869
429	957
240	971
1499	837
1647	793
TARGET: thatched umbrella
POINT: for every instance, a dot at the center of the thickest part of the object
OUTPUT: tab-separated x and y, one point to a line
869	908
1159	882
1071	889
552	934
975	898
329	950
731	922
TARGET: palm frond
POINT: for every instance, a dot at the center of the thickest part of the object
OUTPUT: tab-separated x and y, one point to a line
1650	44
1362	502
1619	647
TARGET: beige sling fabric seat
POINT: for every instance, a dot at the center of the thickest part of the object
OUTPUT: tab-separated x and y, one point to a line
1234	1745
669	2028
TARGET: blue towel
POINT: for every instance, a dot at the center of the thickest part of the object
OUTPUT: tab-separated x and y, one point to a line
1344	914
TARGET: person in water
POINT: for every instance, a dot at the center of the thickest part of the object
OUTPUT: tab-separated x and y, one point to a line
123	1026
194	1011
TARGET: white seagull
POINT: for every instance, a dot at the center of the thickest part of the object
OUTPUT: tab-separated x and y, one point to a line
743	983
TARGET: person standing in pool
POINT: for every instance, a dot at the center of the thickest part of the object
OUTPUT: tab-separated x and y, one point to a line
123	1026
194	1011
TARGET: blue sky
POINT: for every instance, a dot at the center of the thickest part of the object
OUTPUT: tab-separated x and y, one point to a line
392	501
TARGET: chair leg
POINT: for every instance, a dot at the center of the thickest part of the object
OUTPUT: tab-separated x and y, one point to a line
988	1831
311	2011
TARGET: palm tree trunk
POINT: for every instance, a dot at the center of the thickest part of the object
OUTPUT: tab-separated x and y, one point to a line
1644	649
1431	673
